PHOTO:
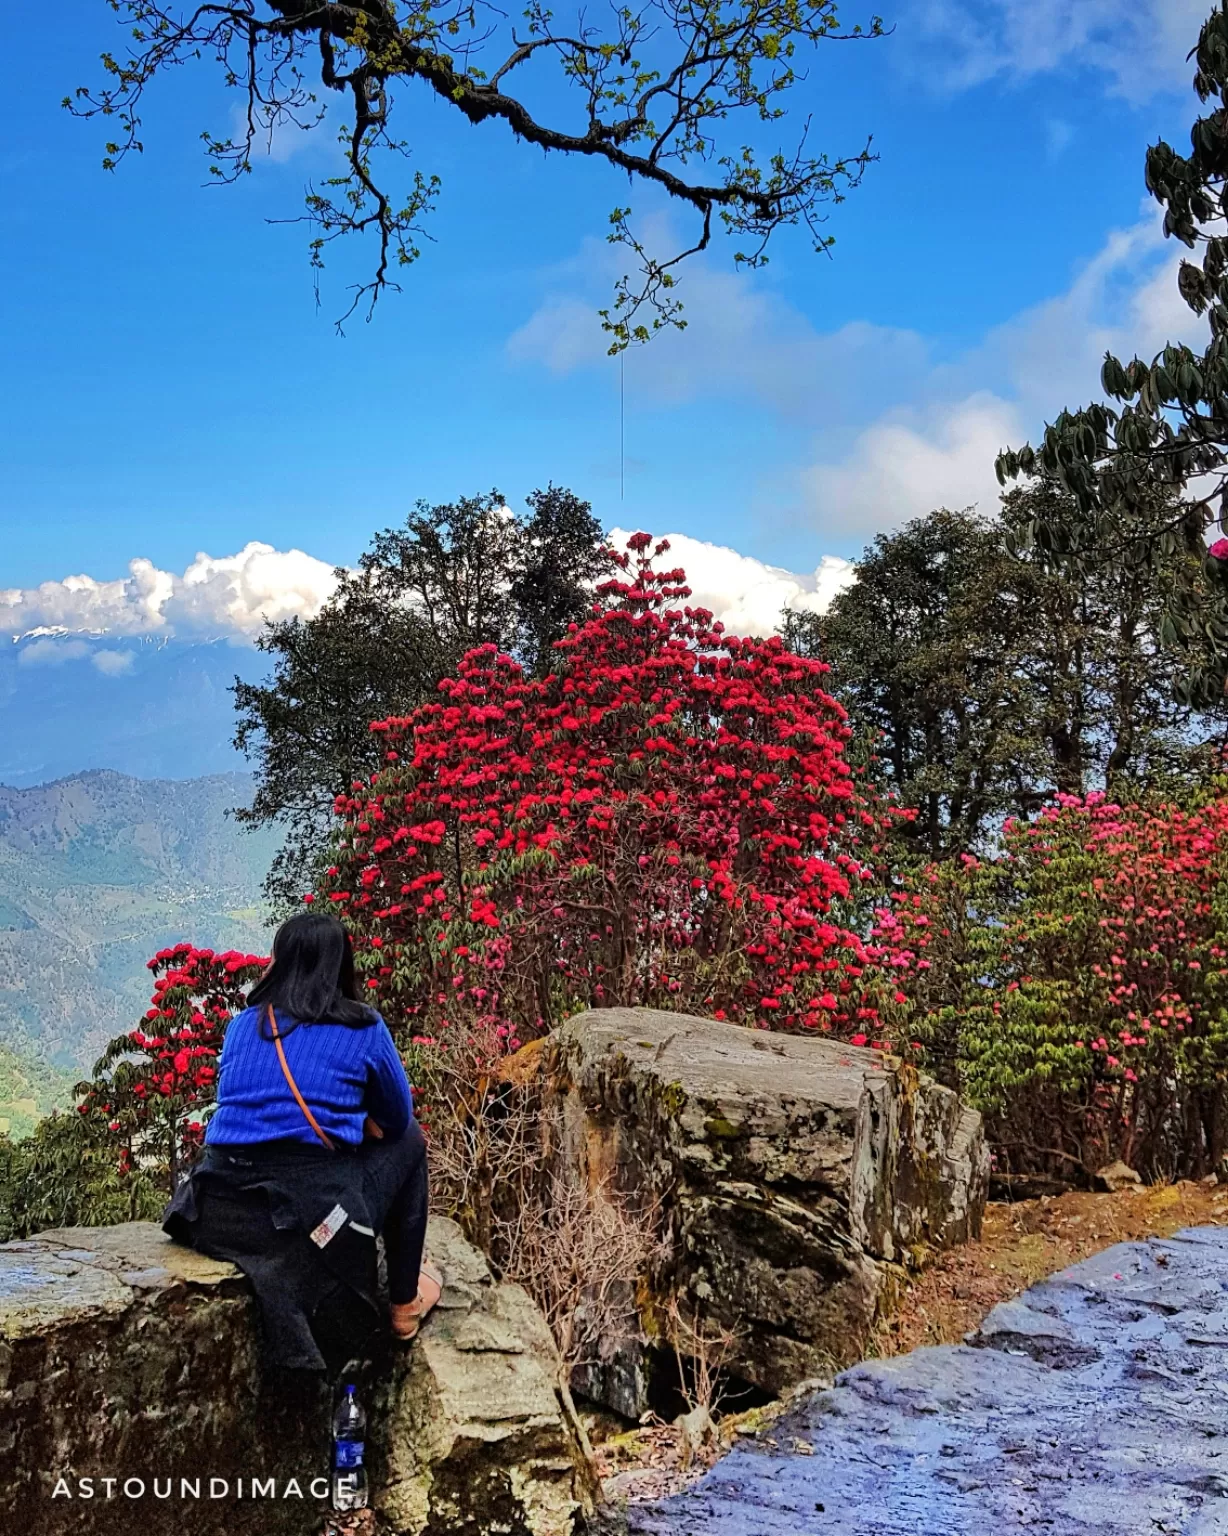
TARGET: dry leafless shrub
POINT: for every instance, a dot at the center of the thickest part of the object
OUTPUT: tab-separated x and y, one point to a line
580	1248
702	1350
580	1251
483	1129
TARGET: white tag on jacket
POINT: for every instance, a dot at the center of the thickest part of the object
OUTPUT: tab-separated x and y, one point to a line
330	1226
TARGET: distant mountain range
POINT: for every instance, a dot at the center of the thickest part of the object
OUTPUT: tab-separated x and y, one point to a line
99	870
150	707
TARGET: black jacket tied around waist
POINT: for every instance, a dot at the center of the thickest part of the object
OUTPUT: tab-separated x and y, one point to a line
297	1220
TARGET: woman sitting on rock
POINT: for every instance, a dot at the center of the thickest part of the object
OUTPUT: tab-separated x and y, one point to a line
312	1150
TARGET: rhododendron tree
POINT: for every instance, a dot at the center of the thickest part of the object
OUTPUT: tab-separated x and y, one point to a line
665	820
1077	987
152	1086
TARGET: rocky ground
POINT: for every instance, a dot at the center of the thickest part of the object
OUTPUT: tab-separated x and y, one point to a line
1092	1405
1021	1243
1027	1241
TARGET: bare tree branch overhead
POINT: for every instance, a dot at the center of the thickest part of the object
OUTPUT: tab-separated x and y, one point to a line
655	85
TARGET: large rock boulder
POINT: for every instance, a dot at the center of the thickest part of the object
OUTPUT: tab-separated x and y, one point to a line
794	1177
124	1356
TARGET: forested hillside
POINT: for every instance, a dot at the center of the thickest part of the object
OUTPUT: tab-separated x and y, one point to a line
97	871
29	1088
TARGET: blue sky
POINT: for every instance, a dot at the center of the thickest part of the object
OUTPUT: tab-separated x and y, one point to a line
171	387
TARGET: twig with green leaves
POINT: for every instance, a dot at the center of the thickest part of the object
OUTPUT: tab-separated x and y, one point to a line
655	84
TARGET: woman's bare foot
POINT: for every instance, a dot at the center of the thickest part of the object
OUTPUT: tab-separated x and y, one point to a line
407	1316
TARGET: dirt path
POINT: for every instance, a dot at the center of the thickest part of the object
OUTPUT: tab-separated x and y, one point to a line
1024	1242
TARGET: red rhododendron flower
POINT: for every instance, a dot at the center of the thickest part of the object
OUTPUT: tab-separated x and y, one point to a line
666	820
1076	987
151	1104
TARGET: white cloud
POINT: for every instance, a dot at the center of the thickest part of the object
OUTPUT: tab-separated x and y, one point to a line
50	651
900	432
1141	45
741	339
1124	299
941	451
229	597
902	468
563	334
232	596
52	648
112	663
746	595
284	140
239	592
131	605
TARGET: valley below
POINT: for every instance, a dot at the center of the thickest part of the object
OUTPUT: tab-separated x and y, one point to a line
97	872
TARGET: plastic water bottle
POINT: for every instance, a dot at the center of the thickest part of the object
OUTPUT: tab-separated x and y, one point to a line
349	1437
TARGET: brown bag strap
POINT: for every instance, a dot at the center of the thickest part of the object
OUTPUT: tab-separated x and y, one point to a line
285	1067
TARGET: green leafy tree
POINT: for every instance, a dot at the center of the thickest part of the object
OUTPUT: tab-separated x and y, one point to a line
1104	685
561	555
455	576
67	1174
1075	986
1167	424
981	681
648	92
926	650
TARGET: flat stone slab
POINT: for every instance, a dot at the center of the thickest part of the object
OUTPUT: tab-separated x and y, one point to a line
1094	1405
72	1274
133	1364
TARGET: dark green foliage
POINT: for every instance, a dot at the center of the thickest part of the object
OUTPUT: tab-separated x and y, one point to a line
65	1175
560	557
455	576
1105	674
1170	434
927	650
980	681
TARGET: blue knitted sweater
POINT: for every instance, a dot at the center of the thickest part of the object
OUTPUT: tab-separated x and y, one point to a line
344	1075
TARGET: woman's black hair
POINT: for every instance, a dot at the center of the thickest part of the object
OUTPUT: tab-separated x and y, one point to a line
312	978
